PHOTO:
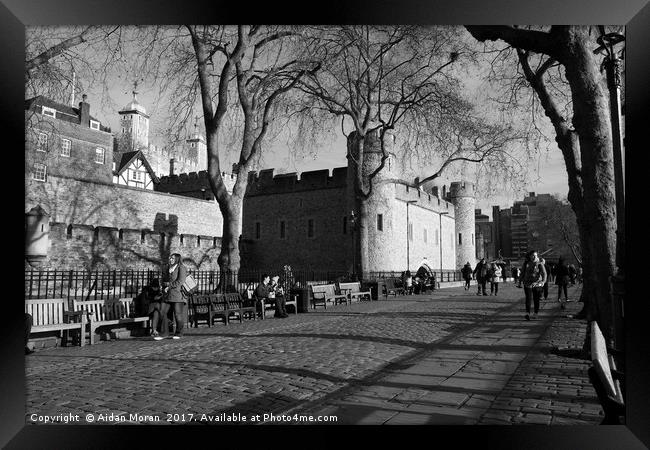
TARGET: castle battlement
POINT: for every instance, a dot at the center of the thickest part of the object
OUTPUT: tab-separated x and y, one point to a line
462	189
425	199
101	235
265	182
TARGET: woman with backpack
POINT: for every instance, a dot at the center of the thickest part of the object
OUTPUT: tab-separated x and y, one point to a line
533	277
494	281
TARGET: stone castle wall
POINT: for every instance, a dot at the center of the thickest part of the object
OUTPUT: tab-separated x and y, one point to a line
85	247
286	198
97	212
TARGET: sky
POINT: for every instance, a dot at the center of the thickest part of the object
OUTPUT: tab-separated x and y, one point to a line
547	173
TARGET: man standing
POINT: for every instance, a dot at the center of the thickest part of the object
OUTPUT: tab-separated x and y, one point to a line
174	297
480	271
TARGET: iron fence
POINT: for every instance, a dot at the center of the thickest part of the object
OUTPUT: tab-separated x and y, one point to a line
109	285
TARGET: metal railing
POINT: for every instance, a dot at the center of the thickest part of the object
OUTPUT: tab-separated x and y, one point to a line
108	285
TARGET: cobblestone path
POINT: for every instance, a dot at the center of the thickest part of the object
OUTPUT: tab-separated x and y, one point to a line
450	357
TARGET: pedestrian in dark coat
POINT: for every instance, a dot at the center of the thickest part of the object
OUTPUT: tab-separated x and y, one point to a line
562	281
481	272
174	297
545	288
533	277
467	274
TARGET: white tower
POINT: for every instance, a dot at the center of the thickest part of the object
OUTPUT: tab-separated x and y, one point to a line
197	148
134	124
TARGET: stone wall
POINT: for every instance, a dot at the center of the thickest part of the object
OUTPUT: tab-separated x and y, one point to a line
99	225
84	247
328	249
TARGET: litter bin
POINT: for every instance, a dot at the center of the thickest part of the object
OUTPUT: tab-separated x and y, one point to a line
303	298
373	286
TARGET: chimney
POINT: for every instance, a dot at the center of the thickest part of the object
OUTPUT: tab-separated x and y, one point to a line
84	112
171	167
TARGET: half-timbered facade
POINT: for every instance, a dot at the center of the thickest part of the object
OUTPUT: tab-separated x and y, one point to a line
133	169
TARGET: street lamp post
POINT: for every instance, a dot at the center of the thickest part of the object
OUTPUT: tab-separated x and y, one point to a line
442	213
353	222
408	202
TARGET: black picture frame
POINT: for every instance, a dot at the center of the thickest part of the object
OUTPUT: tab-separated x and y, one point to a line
16	14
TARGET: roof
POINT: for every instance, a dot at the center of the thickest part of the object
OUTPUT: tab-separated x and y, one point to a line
125	160
134	106
65	112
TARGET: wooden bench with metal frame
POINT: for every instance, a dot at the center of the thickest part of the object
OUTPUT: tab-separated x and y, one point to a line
353	290
53	314
108	312
390	288
204	307
235	307
605	378
323	293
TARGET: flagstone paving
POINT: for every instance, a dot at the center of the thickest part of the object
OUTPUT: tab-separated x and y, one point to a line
450	357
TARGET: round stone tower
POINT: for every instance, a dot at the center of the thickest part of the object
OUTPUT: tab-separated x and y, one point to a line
379	254
463	198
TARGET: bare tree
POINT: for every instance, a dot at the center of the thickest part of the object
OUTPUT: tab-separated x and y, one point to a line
401	80
240	75
54	54
558	224
584	135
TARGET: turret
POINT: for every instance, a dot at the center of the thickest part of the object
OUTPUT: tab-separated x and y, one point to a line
463	197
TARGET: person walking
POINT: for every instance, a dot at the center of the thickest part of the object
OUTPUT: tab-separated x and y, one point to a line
467	274
480	271
572	274
533	277
562	282
496	277
546	268
173	298
407	281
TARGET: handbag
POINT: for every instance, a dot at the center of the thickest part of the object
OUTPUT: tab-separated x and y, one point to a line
189	285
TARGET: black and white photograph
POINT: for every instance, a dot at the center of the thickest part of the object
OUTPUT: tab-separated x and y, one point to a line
348	224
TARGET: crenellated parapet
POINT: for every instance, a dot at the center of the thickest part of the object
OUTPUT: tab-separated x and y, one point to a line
197	183
424	198
266	183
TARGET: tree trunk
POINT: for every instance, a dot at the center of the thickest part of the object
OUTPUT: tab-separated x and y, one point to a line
597	222
355	144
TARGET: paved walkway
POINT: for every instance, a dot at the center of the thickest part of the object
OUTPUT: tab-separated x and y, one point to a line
450	357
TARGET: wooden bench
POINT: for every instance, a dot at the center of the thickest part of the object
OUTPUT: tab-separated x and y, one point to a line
606	378
234	306
353	290
108	312
390	287
52	314
206	307
323	293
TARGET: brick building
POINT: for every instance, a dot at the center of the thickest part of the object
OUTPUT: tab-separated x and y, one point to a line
97	197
